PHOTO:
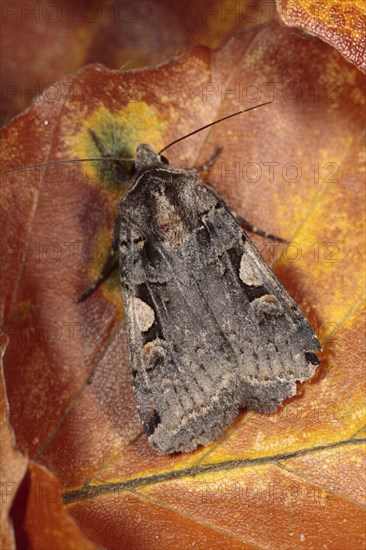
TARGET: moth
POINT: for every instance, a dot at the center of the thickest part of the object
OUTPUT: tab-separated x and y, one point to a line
210	328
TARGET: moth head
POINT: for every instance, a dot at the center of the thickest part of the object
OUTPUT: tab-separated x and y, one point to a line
146	157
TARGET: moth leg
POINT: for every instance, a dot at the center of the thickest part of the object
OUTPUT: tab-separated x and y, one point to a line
247	225
110	265
210	161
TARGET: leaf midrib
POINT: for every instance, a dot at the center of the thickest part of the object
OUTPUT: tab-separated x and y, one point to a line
85	493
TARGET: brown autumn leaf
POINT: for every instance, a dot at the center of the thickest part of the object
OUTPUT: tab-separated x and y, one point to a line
293	168
32	512
44	41
341	24
40	518
12	464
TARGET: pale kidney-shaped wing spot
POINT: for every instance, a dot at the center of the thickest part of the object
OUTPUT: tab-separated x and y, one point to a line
248	272
144	314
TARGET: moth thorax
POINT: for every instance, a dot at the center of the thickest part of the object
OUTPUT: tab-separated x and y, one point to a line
169	221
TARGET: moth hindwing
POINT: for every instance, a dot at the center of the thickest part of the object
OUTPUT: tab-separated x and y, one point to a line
210	328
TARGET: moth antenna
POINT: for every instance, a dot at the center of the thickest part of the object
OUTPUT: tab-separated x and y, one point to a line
212	124
55	162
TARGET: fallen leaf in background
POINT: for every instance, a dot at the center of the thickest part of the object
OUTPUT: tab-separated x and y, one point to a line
63	36
12	464
40	518
32	513
293	168
340	23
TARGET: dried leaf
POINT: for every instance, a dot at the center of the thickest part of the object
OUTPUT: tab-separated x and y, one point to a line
341	24
293	168
46	40
33	515
40	518
12	464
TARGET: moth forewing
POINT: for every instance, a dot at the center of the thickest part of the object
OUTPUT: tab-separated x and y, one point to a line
210	328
